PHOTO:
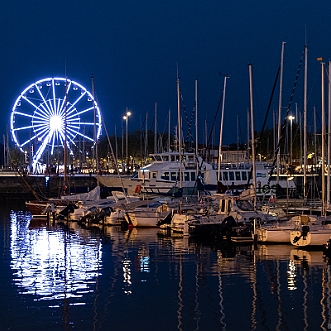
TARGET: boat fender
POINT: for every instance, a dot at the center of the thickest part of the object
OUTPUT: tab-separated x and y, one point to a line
137	189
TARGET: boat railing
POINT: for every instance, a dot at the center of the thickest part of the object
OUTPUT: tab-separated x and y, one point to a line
240	165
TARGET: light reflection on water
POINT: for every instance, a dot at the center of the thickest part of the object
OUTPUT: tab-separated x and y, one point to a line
51	263
139	280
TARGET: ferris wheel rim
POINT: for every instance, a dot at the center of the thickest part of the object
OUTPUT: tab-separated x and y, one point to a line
42	104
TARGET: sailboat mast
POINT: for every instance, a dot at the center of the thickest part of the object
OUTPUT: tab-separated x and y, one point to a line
169	130
95	134
247	126
322	142
196	119
179	135
196	131
328	188
65	139
146	139
116	146
155	128
221	132
305	125
280	107
252	129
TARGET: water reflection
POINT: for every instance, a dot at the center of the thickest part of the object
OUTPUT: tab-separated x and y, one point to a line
51	263
168	283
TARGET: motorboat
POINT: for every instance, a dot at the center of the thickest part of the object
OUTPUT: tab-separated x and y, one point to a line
148	214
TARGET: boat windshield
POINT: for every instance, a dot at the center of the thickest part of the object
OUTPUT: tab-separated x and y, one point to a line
245	205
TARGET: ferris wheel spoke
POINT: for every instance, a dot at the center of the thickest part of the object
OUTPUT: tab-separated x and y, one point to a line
54	94
72	133
54	138
22	114
23	128
85	111
71	140
57	111
29	101
29	140
41	131
73	127
64	104
73	119
41	116
39	124
72	113
44	101
89	123
84	136
73	103
45	110
40	152
69	135
50	105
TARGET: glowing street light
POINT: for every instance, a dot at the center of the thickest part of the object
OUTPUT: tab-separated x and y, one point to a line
126	118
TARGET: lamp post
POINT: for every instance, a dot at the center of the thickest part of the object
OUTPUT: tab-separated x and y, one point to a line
126	118
291	118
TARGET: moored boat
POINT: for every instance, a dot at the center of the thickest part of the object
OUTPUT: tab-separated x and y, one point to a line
311	232
148	214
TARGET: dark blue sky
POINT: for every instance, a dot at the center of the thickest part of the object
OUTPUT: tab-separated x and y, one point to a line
133	48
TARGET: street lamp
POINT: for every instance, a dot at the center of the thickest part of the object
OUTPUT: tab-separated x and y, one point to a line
126	118
291	118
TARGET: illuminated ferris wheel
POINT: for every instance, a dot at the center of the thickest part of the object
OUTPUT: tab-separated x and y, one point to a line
52	113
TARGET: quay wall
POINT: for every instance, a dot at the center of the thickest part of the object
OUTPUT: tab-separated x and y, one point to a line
14	186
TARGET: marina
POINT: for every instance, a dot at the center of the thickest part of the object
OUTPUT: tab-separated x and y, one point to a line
165	166
69	277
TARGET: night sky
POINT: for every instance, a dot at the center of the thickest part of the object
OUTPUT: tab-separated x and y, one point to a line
133	49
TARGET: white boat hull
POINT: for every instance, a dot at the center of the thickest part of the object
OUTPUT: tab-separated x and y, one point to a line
273	235
146	218
314	238
115	218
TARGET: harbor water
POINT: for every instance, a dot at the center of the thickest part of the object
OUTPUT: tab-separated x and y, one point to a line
65	277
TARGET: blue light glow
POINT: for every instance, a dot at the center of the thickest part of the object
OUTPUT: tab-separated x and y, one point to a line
51	113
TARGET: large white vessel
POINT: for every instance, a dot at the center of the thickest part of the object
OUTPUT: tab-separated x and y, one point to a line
161	176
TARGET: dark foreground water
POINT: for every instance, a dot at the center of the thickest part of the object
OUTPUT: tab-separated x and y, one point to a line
107	279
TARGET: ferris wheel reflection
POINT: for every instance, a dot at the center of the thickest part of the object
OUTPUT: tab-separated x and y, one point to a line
52	264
